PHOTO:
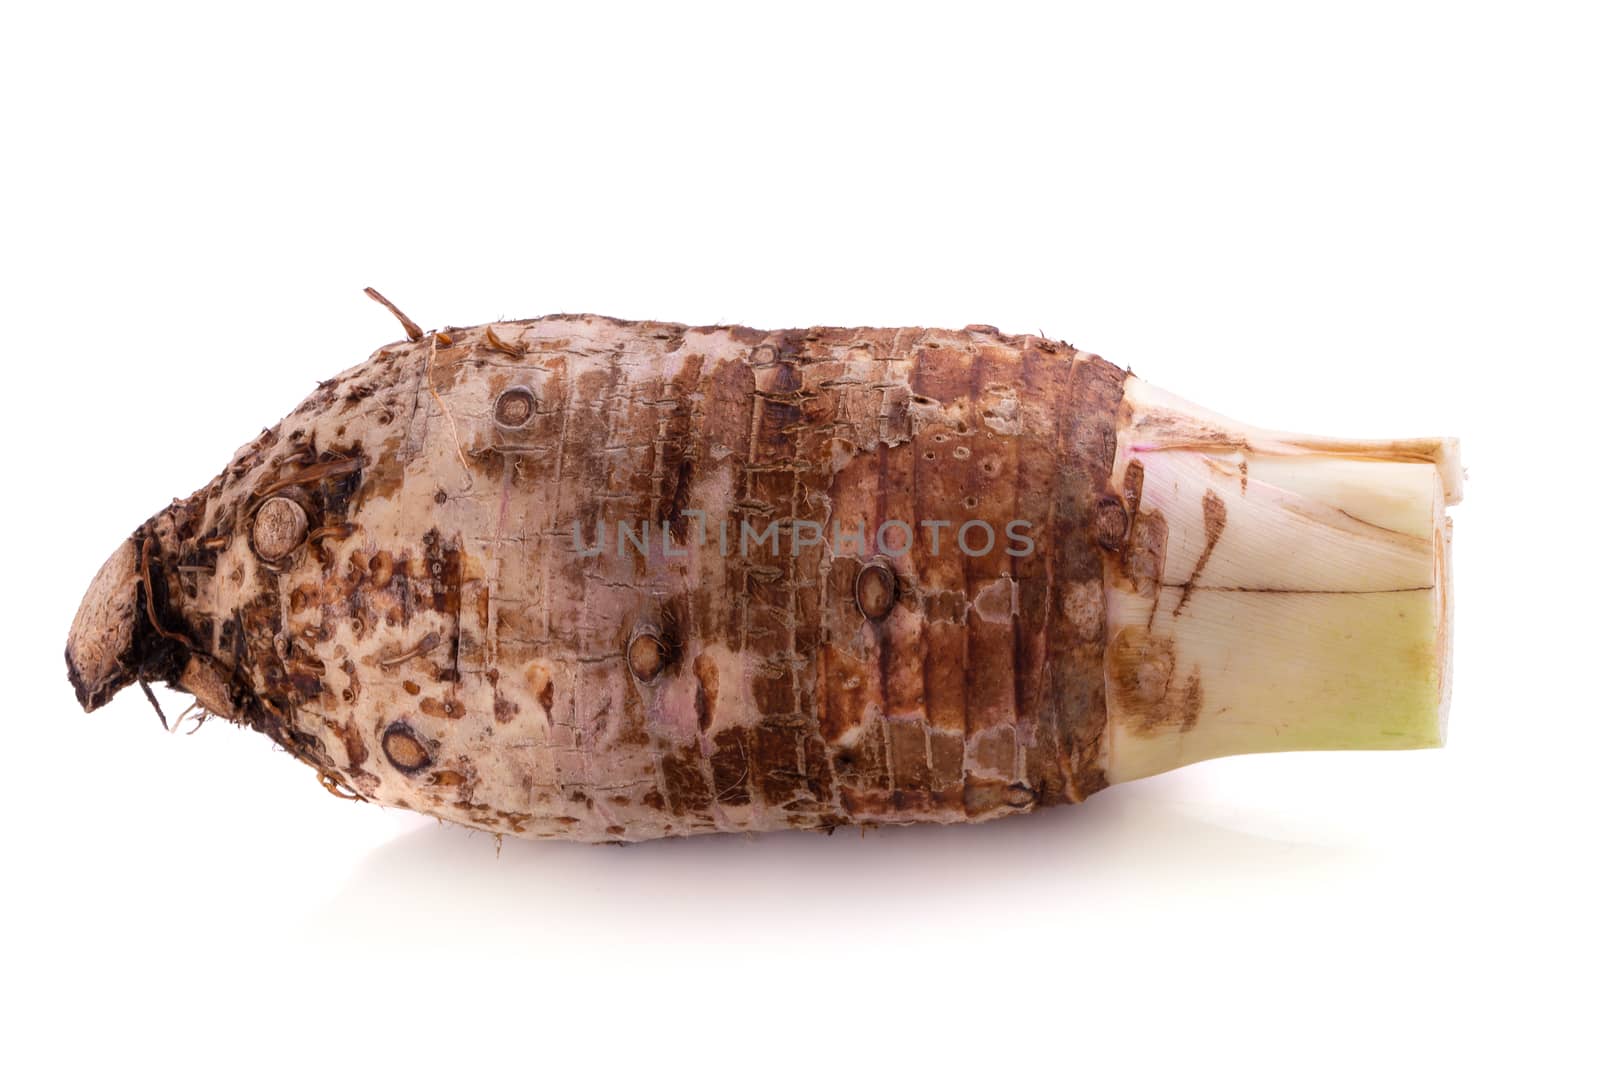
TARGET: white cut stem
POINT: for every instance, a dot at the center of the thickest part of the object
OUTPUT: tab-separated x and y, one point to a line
1302	598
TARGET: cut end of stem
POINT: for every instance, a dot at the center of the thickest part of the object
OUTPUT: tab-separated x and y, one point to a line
1277	592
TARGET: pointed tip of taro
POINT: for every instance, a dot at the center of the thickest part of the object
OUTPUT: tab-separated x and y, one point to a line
101	641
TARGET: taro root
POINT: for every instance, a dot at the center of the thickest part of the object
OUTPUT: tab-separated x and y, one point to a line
609	580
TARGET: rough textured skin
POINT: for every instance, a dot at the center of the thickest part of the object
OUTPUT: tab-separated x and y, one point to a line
389	584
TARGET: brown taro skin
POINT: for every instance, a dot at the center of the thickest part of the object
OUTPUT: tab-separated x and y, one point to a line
400	583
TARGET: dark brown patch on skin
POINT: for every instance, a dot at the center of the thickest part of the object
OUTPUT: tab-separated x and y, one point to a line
730	766
724	411
776	760
875	590
505	710
819	771
380	570
686	785
404	749
1145	559
541	683
305	684
677	492
908	754
339	485
1085	451
442	709
1216	517
350	734
1140	666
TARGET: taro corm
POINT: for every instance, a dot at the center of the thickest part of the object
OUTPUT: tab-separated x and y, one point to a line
603	580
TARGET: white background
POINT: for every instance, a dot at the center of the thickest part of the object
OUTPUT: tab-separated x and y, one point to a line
1348	219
